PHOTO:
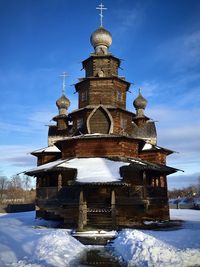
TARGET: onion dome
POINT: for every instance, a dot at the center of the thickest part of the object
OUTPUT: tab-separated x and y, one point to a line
140	104
63	104
101	40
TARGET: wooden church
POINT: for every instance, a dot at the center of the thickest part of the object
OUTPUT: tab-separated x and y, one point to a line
102	168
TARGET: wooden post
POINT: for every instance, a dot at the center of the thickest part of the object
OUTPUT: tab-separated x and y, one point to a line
59	181
84	212
144	185
82	218
113	208
38	182
145	191
159	181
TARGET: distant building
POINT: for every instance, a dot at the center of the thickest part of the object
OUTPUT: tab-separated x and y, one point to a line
102	167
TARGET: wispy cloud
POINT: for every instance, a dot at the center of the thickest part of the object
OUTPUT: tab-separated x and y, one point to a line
28	123
181	52
178	131
181	181
10	152
16	158
127	21
149	88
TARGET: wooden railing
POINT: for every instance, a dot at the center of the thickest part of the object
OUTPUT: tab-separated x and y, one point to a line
50	193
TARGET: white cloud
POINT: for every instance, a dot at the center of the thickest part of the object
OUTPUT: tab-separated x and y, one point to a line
181	181
11	152
149	88
181	52
179	130
127	22
16	158
28	123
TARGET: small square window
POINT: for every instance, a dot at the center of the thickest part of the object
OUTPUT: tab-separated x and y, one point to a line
123	123
119	96
83	95
79	123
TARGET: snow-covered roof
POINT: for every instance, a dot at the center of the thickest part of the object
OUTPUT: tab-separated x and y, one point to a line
45	167
99	170
88	169
95	169
49	149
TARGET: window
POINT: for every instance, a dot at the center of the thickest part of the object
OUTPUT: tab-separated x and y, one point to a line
119	96
123	123
83	95
79	123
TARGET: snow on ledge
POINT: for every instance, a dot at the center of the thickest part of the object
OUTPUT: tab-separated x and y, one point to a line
47	149
147	146
100	233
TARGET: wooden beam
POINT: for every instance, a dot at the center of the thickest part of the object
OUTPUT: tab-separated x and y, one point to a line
82	218
113	208
59	181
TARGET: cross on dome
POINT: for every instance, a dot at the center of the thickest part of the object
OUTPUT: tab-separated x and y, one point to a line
64	75
101	8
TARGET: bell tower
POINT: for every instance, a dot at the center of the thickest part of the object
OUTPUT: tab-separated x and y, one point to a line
102	84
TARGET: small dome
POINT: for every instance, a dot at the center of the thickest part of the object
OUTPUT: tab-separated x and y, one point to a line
140	102
63	102
101	37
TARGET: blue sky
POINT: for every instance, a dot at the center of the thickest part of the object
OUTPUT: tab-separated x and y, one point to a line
159	42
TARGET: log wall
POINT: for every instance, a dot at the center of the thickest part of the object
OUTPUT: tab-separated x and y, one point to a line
153	156
99	148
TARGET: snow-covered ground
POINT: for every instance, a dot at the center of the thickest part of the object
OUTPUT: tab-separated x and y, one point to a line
176	248
24	244
25	241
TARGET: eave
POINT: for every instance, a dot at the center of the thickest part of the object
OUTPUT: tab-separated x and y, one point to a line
101	78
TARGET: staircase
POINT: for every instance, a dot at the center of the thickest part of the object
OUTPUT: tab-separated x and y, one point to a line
99	218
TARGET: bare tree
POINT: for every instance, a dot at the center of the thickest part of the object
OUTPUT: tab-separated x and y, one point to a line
15	189
3	187
26	182
190	191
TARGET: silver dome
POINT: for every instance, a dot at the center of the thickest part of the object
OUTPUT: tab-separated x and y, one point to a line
140	102
101	39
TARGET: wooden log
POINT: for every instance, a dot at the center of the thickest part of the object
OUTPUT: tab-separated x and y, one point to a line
113	209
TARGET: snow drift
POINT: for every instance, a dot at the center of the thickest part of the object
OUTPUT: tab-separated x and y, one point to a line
142	250
23	243
177	248
26	242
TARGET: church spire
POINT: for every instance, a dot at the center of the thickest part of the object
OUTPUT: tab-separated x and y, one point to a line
101	39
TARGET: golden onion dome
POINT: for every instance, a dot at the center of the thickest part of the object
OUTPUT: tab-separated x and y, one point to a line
63	102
